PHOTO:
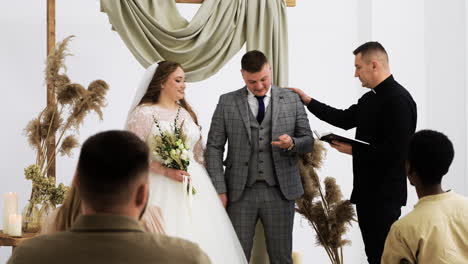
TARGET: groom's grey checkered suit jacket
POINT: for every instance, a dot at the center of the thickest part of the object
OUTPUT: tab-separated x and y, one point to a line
231	123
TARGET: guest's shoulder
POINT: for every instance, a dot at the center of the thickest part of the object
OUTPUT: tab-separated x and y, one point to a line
459	197
43	238
41	245
458	204
176	248
407	221
410	226
169	242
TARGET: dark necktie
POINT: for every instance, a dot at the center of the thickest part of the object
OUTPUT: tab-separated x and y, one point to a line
261	108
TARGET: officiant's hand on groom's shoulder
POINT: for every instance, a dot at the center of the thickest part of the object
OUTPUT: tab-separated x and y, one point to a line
304	97
341	147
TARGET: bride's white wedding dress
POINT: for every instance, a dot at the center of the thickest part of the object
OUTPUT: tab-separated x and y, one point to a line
206	223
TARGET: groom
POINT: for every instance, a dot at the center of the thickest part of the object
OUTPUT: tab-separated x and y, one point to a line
265	127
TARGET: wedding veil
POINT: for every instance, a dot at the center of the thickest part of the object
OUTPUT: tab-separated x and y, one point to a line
141	90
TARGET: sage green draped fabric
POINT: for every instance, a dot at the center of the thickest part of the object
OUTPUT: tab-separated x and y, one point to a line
154	30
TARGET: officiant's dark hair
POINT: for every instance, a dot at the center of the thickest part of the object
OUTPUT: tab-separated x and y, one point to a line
109	163
253	61
430	155
369	48
164	70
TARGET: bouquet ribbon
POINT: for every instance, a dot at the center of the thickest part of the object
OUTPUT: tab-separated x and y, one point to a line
187	185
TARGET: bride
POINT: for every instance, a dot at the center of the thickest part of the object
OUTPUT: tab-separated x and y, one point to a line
200	218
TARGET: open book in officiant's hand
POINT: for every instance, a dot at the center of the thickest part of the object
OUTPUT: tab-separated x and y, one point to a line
329	137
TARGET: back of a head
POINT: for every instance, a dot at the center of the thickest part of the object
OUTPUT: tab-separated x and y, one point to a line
253	61
430	155
372	49
109	163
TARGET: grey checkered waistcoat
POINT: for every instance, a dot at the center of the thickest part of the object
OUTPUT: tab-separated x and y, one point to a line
231	123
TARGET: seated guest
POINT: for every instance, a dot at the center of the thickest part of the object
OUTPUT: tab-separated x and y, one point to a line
62	218
436	231
112	179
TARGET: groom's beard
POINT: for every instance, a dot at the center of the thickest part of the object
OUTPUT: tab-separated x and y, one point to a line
144	209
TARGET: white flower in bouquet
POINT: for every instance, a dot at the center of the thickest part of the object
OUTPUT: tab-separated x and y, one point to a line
184	155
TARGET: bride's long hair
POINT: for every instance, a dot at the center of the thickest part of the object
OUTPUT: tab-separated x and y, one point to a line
165	68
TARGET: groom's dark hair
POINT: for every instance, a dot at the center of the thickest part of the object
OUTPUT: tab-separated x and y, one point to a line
253	61
109	163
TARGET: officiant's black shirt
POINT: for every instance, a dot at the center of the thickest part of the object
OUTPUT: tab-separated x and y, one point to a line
386	118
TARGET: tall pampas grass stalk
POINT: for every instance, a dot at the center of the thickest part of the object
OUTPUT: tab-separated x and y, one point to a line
64	118
327	213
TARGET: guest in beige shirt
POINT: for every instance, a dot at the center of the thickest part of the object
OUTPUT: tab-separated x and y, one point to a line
112	179
436	231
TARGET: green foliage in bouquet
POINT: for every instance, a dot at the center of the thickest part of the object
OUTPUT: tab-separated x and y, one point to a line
325	210
62	119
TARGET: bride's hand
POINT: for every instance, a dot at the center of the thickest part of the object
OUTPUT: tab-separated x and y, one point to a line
223	198
176	175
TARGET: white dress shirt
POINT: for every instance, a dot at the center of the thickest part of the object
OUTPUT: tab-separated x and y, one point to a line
253	102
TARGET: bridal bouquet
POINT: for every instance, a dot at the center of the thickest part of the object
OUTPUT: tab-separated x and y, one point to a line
170	148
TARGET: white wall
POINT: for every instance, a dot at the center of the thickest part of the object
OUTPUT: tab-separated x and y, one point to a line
446	80
426	41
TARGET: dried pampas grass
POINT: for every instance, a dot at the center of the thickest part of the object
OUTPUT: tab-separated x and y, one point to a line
68	144
324	208
70	93
58	124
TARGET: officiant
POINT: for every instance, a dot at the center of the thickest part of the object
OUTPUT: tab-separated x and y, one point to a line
386	118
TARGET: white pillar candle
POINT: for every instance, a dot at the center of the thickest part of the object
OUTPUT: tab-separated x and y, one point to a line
297	257
14	225
10	206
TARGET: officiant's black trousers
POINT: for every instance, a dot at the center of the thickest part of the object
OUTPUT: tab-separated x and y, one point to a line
375	220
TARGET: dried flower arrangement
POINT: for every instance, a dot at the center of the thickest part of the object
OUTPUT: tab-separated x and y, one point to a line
325	210
62	119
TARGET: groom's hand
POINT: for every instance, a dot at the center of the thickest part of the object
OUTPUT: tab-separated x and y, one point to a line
284	142
223	198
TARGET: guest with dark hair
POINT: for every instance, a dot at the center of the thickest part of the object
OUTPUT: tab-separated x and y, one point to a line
385	117
436	230
112	179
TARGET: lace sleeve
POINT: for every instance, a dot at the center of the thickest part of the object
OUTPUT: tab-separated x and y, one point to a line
140	122
199	152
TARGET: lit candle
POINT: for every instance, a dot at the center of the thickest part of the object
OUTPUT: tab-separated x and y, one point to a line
297	257
14	225
10	206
